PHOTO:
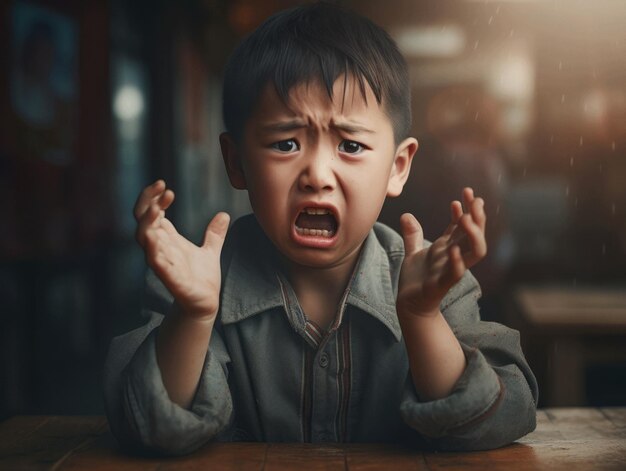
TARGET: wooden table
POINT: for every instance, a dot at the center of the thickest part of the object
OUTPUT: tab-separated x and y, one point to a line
567	330
565	439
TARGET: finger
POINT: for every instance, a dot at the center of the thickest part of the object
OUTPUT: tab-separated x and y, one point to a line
436	256
477	246
439	265
453	269
456	211
145	222
468	197
166	199
477	211
163	202
216	231
458	237
412	234
150	194
456	265
159	254
438	248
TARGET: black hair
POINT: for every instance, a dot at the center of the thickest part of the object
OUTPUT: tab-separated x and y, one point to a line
320	41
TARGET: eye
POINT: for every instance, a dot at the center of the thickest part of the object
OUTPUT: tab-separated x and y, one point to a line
351	147
288	145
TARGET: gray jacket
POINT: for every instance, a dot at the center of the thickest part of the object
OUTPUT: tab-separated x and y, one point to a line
271	375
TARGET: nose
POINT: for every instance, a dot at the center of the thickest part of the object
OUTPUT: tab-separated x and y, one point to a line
317	173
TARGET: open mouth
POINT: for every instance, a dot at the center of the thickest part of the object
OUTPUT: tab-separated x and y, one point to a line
320	222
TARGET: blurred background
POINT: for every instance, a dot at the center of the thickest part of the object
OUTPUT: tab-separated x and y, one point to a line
525	100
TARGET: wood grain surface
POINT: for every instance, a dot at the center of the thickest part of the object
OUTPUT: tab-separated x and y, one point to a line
571	439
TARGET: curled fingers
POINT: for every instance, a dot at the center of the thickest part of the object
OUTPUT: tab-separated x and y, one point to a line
157	193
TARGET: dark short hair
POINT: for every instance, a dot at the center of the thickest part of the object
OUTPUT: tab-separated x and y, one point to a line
320	41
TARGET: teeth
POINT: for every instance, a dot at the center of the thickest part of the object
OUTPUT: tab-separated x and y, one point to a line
314	232
316	211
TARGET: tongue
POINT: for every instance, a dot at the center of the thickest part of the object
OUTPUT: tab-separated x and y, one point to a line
317	221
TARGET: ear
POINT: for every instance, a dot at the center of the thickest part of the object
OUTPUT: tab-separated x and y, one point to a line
401	166
232	161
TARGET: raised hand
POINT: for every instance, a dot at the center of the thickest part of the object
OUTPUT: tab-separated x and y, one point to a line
192	274
427	274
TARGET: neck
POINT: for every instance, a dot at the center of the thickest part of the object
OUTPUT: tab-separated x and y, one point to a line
320	289
327	279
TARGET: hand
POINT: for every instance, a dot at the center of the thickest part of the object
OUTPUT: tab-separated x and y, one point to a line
191	273
428	274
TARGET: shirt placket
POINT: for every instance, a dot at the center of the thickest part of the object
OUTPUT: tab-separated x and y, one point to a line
325	372
330	383
324	391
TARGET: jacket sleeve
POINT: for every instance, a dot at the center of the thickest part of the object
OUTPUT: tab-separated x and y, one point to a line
140	413
494	401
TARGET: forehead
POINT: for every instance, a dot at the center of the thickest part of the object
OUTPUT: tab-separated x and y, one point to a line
311	102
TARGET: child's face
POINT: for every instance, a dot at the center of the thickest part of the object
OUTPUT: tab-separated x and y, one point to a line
317	155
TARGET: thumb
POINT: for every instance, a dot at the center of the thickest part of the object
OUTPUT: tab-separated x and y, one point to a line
216	231
411	233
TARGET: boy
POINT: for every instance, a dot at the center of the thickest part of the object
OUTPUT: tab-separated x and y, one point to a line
310	321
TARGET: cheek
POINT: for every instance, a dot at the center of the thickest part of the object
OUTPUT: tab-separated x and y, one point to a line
369	181
368	190
267	191
261	177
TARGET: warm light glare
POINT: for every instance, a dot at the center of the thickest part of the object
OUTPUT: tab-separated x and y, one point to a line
430	41
513	77
128	103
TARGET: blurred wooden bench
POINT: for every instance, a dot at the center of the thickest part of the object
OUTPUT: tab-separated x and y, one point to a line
566	330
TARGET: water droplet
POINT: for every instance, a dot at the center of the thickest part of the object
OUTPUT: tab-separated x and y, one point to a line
603	249
613	146
580	143
613	208
524	172
499	178
497	210
571	161
563	98
511	33
498	9
551	138
567	190
476	44
490	20
560	65
476	116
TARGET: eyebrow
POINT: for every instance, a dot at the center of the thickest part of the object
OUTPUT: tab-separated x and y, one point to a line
285	126
352	128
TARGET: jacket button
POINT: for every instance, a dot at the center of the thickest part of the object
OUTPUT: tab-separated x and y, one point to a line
323	360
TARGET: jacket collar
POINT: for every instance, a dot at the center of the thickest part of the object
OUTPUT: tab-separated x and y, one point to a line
253	282
372	289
